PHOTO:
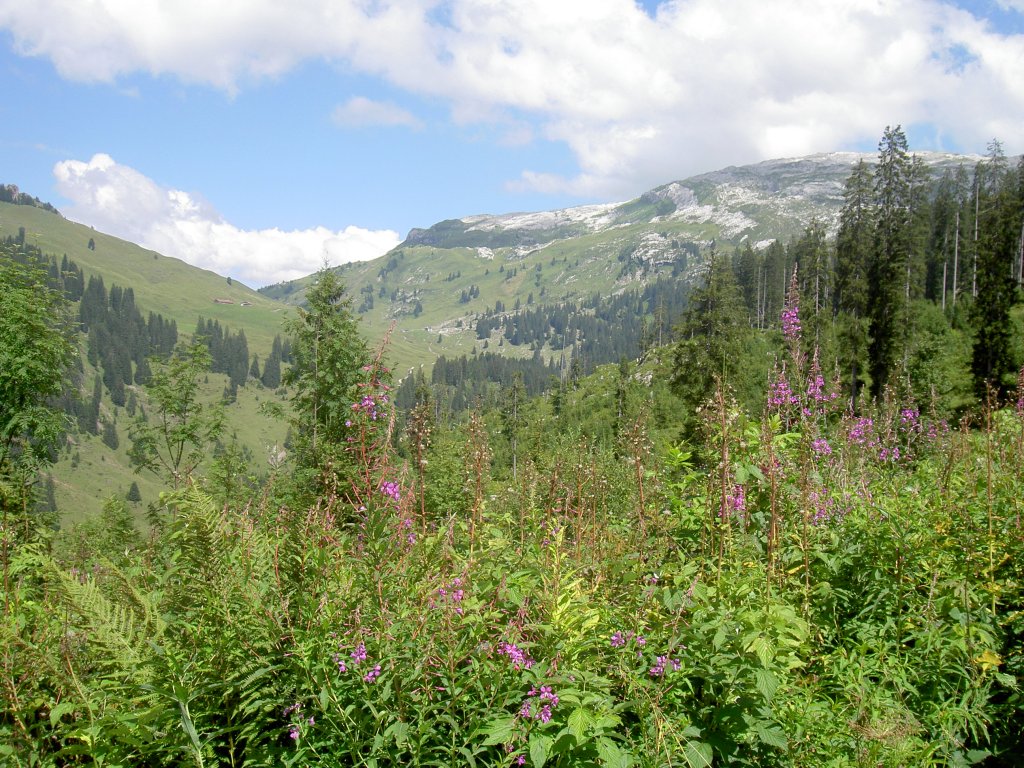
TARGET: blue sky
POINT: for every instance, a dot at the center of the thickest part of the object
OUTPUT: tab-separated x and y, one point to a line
260	138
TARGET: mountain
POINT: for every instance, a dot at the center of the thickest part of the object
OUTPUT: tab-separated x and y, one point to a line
89	470
162	284
442	280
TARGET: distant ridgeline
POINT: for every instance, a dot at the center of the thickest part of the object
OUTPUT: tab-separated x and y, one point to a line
9	193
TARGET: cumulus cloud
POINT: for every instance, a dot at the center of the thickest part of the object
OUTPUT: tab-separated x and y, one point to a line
360	112
119	200
637	98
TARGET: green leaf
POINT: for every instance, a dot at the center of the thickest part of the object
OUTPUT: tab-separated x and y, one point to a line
579	721
610	754
500	731
59	711
697	754
771	735
767	684
539	746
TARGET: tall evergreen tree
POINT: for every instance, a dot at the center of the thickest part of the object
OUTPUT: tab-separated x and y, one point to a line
328	355
853	243
813	254
891	248
711	336
272	366
1001	227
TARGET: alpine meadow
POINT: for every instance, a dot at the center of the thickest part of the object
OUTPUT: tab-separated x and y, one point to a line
728	474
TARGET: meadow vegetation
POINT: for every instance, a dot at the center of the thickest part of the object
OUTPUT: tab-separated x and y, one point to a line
768	543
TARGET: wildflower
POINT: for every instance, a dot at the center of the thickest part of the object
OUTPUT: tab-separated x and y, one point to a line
910	419
861	431
617	640
791	311
391	489
735	501
821	447
372	675
359	654
515	655
780	394
293	734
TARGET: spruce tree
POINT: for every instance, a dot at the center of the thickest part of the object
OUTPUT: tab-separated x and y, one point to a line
712	335
891	247
1001	230
328	354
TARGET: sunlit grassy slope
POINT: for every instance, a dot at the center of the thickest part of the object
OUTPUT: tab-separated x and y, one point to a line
162	284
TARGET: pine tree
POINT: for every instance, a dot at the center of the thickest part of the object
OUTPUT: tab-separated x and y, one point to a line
1001	227
272	366
711	335
328	355
891	248
134	495
813	255
110	438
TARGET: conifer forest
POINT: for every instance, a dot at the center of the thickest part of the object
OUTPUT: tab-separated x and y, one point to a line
781	527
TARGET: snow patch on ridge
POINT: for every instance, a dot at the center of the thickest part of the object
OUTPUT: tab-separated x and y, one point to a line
594	217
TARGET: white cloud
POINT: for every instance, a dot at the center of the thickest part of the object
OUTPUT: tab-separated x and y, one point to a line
637	99
360	112
119	200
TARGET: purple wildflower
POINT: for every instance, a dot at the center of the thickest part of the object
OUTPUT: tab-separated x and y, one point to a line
617	640
391	489
359	654
515	655
791	311
372	675
821	447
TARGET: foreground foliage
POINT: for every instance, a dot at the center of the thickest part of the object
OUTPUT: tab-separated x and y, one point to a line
807	589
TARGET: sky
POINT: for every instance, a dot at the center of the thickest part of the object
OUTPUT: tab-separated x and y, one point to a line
263	139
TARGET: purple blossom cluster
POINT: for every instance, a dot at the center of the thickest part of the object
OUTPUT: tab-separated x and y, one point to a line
392	490
791	321
824	506
405	528
539	704
658	669
620	640
735	501
821	447
357	656
862	432
518	658
372	406
450	595
910	420
294	713
780	394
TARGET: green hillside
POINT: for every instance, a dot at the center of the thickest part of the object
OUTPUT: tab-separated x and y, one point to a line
162	284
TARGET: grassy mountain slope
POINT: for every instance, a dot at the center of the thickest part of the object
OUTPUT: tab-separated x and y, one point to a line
425	287
162	284
88	472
